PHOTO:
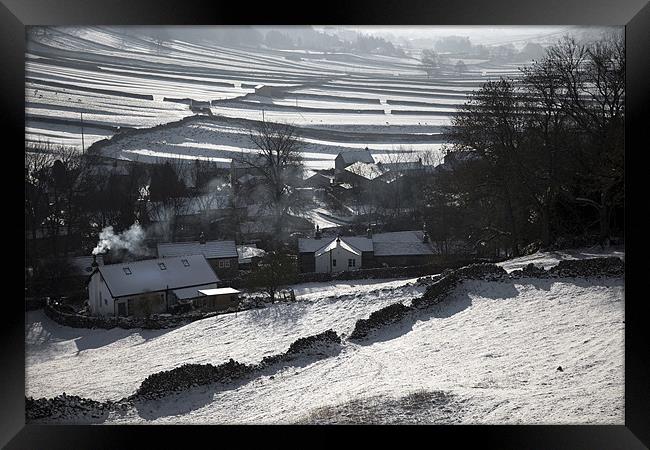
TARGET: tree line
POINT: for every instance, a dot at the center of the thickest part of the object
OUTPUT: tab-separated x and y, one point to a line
539	158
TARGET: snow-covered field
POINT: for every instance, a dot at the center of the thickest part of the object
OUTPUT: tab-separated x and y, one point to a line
489	354
113	363
340	101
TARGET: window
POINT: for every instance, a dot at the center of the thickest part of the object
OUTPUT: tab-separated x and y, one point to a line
185	262
106	301
162	266
224	263
333	263
126	270
352	262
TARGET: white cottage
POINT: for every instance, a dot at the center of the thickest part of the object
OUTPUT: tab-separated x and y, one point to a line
149	286
338	256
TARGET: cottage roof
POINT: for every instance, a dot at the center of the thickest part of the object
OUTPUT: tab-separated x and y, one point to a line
400	243
308	245
335	243
396	243
211	249
352	157
152	275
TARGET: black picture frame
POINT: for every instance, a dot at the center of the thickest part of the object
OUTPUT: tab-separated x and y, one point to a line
634	14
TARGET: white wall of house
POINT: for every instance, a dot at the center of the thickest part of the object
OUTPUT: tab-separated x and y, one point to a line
100	300
342	258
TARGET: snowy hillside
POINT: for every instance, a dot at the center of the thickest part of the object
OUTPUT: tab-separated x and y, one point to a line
490	353
340	101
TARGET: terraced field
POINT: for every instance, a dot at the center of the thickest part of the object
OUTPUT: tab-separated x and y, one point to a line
340	101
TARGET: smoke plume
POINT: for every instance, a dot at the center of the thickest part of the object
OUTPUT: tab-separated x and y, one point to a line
131	240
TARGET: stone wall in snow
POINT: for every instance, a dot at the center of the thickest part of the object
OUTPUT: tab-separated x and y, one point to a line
441	286
186	376
74	409
153	322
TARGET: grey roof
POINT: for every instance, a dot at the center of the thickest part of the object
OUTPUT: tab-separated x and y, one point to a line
401	243
148	276
352	157
211	249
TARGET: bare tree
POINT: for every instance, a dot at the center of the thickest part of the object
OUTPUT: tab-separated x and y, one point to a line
593	94
278	164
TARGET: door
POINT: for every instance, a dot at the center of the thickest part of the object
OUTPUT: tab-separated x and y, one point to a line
121	309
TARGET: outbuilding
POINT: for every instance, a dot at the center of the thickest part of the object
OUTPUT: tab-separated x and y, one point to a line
217	299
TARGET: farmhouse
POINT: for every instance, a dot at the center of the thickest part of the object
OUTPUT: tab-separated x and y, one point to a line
221	255
336	254
148	286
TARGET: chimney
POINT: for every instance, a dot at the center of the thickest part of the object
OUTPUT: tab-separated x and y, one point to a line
317	235
202	238
425	234
94	263
369	232
338	241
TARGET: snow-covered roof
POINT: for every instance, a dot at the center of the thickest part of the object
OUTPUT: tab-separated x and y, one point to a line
309	245
211	249
366	170
383	244
152	275
399	243
335	243
83	264
219	291
352	157
246	252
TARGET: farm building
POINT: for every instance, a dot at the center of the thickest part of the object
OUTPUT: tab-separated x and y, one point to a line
346	159
148	286
336	254
221	255
217	299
